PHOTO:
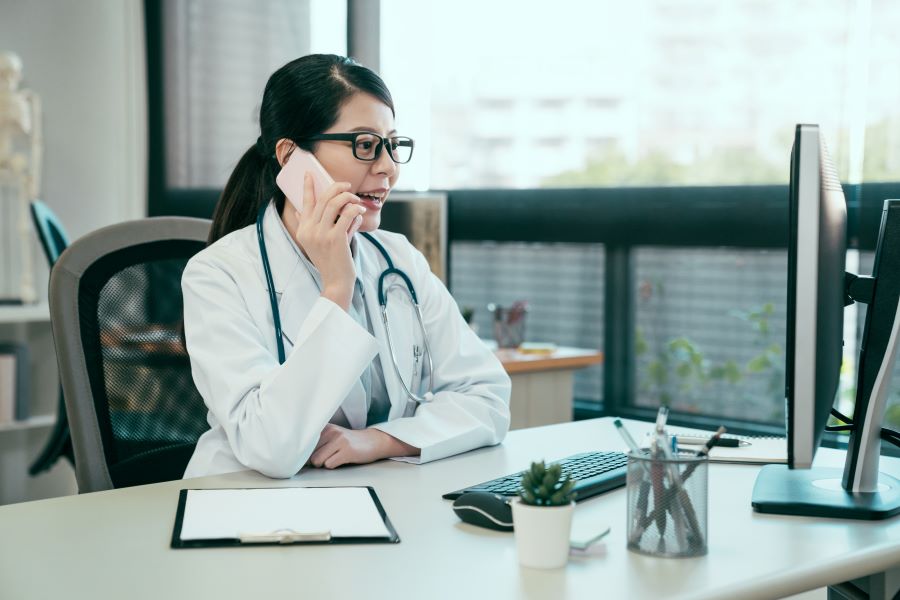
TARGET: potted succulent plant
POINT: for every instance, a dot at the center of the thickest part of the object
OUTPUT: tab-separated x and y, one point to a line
542	516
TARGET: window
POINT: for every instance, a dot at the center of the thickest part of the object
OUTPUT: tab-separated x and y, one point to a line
710	331
217	58
555	280
702	92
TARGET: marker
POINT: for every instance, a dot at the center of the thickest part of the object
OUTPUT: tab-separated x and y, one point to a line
699	440
711	442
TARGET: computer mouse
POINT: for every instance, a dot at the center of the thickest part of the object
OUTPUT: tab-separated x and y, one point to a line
485	510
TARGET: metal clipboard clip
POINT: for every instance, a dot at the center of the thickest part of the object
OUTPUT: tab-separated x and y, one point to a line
285	536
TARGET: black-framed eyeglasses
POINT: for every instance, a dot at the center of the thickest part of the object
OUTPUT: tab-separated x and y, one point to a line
367	145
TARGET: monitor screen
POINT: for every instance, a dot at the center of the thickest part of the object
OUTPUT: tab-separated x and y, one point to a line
815	299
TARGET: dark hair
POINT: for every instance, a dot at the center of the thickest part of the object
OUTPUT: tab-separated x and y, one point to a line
303	98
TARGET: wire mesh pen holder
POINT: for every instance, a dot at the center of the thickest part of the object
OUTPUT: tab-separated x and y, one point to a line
509	324
667	504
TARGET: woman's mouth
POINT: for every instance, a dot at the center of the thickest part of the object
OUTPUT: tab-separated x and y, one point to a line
372	200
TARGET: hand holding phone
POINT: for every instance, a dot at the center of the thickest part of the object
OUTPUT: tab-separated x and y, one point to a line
327	217
290	178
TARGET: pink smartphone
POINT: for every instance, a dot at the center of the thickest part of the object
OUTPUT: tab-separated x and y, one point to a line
290	178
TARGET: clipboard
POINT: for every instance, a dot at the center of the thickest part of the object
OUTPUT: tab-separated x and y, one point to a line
234	508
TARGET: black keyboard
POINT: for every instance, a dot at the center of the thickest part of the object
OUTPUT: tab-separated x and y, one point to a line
595	472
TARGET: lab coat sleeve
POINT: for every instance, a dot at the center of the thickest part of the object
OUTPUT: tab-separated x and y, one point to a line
272	414
470	408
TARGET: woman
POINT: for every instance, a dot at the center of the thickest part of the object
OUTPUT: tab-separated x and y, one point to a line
337	398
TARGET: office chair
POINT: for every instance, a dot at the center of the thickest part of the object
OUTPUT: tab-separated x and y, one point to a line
116	312
54	240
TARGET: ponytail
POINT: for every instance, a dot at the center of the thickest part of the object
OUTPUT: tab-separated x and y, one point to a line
252	184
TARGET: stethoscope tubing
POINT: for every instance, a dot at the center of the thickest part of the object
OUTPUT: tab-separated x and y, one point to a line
270	283
382	301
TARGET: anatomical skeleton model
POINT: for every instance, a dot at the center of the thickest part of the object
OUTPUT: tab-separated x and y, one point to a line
20	169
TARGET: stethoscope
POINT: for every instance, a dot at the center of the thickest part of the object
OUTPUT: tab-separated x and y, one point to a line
382	301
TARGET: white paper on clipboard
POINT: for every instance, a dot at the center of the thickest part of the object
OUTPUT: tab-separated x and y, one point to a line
233	513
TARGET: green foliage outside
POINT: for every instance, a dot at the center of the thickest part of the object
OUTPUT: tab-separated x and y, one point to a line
656	168
679	372
729	166
678	367
892	415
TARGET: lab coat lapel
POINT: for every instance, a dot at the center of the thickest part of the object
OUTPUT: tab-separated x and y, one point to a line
373	264
297	291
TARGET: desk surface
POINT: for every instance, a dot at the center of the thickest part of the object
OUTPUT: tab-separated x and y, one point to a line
116	543
561	358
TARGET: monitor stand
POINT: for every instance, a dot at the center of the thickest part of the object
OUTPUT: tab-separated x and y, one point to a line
819	492
859	491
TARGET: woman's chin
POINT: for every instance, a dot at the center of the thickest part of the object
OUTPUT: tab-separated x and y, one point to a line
370	223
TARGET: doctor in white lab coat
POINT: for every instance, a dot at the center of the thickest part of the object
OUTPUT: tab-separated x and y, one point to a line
336	399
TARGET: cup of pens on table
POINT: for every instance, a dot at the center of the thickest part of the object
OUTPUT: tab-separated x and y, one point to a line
509	323
667	494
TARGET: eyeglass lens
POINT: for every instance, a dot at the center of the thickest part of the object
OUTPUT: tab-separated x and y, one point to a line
368	147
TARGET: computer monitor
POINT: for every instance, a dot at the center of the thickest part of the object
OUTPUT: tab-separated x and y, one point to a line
818	289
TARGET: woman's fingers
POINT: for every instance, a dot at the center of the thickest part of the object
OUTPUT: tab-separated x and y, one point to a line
309	194
336	206
331	192
348	216
335	460
327	450
326	436
354	227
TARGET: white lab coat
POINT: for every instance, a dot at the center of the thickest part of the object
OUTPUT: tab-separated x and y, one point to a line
268	417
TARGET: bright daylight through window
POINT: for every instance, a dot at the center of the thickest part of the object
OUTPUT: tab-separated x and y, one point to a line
649	93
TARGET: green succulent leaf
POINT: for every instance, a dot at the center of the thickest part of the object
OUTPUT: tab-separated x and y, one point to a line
546	486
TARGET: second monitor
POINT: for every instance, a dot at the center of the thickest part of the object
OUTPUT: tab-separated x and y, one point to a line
818	290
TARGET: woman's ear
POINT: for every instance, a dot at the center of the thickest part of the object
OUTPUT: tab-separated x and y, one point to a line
283	149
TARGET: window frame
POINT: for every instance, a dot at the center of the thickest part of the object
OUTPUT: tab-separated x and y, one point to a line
620	218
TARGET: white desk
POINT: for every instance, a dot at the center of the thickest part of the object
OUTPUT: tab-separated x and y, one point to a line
116	544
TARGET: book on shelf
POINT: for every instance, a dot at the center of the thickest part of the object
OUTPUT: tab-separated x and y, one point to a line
14	405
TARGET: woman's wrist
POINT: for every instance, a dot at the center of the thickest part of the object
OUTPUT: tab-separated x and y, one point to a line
392	447
339	296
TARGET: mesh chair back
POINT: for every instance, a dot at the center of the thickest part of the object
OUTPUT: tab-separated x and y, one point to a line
116	310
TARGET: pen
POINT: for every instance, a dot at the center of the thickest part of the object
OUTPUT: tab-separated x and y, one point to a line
698	440
641	520
662	415
674	496
713	441
629	441
659	493
703	452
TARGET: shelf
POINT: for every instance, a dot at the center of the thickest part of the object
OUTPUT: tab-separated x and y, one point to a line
31	423
28	313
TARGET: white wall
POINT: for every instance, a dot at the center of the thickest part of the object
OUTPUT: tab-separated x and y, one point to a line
86	60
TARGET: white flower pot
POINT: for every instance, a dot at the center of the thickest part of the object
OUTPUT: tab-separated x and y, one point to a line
542	534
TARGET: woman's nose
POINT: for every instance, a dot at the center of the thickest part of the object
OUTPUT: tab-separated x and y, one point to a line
384	164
